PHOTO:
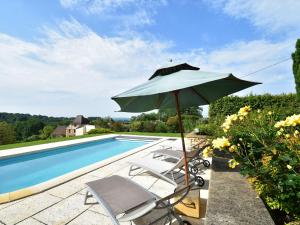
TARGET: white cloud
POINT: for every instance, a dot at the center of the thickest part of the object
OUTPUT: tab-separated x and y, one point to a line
269	15
242	58
138	12
73	70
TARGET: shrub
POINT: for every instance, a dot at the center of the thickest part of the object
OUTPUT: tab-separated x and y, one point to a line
207	129
283	105
189	122
34	137
136	126
161	127
268	153
100	131
119	127
172	124
148	126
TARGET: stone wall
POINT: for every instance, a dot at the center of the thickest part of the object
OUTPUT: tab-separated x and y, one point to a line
231	199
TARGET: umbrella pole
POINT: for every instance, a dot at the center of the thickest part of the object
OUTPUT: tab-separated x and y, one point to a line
182	137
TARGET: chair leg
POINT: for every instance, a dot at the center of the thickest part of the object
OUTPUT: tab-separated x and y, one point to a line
131	168
87	195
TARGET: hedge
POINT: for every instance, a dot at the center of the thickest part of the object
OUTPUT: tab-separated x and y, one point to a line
283	104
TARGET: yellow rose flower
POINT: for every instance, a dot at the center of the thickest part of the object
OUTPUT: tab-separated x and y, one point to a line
207	152
221	143
232	163
228	122
244	111
279	124
266	160
289	167
290	121
252	180
232	148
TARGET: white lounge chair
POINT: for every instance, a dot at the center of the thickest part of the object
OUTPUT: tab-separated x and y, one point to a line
165	170
194	157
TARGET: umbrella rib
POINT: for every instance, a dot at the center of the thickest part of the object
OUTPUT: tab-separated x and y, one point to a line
200	95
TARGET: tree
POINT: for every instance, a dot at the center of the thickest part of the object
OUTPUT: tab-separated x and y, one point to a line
296	67
193	111
164	114
145	117
25	129
7	133
46	131
103	122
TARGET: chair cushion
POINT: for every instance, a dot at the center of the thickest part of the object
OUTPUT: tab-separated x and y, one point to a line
119	193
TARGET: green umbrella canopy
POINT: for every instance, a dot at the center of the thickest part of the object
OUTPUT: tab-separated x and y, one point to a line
180	87
195	88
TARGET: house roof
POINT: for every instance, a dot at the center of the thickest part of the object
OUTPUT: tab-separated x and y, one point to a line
80	120
59	130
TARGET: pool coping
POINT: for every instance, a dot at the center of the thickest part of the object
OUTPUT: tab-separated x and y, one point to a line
24	192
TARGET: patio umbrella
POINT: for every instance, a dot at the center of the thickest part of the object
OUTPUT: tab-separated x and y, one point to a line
180	86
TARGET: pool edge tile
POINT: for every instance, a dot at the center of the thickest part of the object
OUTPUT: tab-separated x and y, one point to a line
4	198
21	193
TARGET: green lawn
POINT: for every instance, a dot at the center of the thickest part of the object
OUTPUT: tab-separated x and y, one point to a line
39	142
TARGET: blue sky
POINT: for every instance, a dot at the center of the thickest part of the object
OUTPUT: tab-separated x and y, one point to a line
68	57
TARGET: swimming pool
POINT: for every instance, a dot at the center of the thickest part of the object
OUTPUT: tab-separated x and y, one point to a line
33	168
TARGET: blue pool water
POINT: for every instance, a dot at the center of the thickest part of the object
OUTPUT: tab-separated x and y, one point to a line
31	169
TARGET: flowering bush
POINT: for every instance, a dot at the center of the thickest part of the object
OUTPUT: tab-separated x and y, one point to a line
268	153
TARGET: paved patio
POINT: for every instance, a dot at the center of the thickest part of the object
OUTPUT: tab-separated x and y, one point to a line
64	204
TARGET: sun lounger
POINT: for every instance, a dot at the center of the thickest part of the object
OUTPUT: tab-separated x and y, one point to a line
124	200
195	146
168	171
193	156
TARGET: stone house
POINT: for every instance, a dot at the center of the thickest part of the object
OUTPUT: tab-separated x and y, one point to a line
79	126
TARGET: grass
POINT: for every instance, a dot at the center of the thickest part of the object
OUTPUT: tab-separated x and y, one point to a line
52	140
39	142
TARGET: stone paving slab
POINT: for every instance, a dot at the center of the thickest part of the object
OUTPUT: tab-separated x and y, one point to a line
26	208
5	205
91	218
69	188
64	211
30	221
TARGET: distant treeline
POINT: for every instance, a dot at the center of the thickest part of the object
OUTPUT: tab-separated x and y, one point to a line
13	118
18	127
